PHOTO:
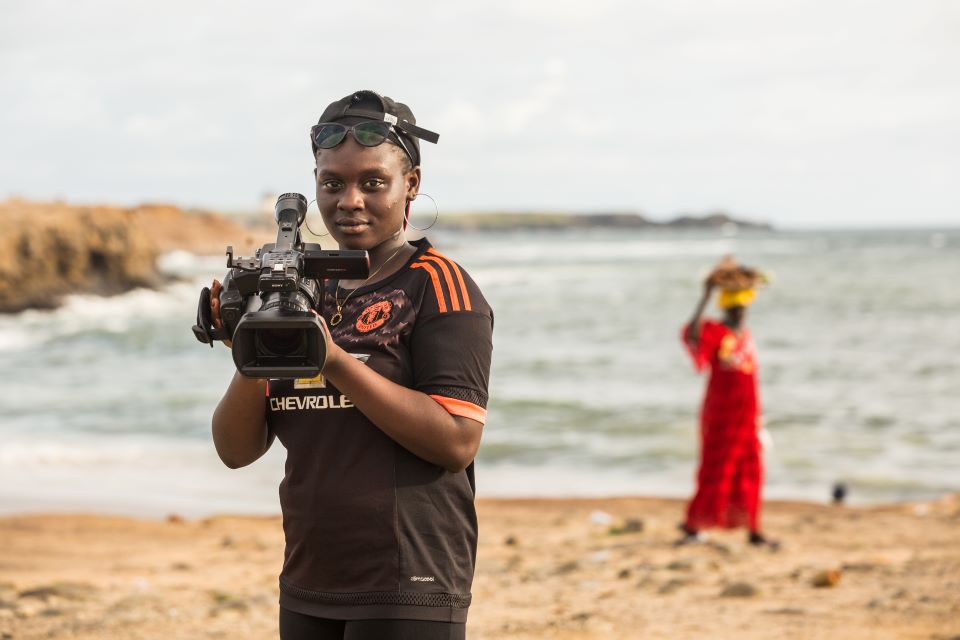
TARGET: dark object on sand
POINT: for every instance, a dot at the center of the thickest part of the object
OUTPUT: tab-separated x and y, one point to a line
839	493
826	578
757	539
690	536
631	525
739	590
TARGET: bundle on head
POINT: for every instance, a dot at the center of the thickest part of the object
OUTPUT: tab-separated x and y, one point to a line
731	276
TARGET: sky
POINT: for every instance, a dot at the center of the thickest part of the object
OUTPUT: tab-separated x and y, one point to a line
838	113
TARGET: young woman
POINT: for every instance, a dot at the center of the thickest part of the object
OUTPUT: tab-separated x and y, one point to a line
377	498
731	468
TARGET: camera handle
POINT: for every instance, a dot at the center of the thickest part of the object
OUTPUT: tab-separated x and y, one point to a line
244	264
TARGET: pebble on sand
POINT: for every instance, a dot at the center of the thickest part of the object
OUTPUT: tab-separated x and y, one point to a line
681	564
65	590
567	567
631	525
672	585
224	601
739	590
826	578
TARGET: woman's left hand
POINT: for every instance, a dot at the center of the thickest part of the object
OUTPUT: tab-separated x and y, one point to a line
333	351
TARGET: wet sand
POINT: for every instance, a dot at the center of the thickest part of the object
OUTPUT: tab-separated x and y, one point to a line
547	568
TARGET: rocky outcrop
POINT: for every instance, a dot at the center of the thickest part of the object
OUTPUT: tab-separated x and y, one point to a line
717	219
536	221
48	250
202	232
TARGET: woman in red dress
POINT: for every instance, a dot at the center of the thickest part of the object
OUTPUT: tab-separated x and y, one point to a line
731	468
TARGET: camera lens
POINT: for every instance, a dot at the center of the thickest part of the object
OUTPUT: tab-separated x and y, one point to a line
281	342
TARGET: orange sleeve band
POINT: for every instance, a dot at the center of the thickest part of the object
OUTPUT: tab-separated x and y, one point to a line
461	408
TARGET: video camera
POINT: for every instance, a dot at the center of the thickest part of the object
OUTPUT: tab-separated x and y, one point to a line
268	301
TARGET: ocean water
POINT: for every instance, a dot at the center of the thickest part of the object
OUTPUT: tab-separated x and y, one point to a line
107	401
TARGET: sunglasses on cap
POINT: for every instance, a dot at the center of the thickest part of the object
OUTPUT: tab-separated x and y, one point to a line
327	135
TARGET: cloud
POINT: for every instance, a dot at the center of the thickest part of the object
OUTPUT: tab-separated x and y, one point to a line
160	126
612	104
543	96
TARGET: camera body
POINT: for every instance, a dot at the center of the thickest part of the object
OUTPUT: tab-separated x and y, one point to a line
269	303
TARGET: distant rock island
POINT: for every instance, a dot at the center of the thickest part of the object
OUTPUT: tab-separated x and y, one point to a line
502	221
52	249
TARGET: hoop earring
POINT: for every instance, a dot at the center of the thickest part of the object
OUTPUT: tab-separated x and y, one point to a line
307	223
436	213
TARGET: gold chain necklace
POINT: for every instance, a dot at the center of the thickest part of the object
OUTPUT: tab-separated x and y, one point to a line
337	317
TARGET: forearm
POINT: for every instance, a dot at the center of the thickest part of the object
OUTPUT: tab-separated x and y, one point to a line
693	326
240	432
411	418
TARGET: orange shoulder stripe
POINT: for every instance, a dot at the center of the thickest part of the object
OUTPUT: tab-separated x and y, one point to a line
463	285
461	408
437	289
455	302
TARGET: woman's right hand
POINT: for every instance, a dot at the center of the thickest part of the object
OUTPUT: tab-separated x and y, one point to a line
215	289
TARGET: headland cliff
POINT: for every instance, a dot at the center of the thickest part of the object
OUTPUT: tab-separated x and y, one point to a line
52	249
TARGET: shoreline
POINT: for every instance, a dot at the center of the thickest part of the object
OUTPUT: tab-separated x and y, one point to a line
25	506
105	510
547	568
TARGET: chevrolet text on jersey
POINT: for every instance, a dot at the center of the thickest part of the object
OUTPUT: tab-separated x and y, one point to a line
306	403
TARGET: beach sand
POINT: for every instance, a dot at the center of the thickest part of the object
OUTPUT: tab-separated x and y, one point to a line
547	568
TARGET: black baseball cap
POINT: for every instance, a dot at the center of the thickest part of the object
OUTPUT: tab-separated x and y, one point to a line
370	105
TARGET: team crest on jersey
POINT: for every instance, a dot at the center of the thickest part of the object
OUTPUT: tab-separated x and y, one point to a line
374	316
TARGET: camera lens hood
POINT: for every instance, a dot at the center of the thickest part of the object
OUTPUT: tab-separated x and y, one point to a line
279	343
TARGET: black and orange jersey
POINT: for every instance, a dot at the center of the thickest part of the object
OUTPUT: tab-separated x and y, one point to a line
372	530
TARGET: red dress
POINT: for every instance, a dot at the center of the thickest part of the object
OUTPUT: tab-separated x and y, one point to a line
731	469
